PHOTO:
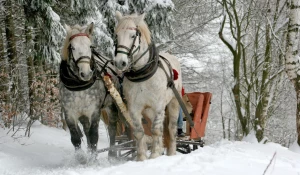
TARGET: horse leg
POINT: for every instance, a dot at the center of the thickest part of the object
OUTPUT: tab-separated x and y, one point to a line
157	131
173	113
112	128
138	132
75	135
86	127
93	132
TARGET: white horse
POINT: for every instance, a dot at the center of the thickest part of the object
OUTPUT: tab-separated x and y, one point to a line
146	85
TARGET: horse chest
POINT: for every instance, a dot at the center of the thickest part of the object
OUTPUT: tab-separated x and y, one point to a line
81	102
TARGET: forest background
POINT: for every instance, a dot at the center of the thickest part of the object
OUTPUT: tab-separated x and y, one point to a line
234	49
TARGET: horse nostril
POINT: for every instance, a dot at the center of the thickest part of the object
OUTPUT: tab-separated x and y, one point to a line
123	63
82	74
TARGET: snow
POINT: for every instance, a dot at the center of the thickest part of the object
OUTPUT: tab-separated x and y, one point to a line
251	138
164	3
294	147
49	152
54	16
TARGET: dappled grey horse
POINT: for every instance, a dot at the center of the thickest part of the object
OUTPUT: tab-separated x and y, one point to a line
83	93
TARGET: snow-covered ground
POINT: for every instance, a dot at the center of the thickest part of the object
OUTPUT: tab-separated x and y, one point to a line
49	152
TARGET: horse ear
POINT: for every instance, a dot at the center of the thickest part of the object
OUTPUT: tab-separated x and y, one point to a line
89	29
118	15
67	27
139	19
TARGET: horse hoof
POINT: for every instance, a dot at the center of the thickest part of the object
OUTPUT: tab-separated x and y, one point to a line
171	153
141	158
154	155
81	157
112	154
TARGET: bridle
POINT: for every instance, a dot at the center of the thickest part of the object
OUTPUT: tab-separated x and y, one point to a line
80	59
132	51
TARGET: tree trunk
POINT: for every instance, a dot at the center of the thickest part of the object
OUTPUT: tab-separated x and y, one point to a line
262	106
30	66
10	37
292	55
12	60
4	72
237	53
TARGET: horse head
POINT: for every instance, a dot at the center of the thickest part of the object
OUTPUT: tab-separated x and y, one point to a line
133	37
77	51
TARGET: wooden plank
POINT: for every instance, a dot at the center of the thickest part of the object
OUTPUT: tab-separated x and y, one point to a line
197	119
201	105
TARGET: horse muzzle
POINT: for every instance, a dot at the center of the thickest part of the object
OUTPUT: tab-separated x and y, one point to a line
121	64
85	71
85	75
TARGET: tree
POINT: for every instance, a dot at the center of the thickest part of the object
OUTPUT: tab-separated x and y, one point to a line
194	20
39	27
256	65
292	65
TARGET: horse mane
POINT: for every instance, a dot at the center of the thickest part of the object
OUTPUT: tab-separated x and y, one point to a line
142	27
74	30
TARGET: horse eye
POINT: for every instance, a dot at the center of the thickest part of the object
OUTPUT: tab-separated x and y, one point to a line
133	36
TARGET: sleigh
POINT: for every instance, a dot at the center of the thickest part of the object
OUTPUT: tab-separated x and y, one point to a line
200	102
195	128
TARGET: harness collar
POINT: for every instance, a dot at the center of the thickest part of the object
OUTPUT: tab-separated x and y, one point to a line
148	70
71	81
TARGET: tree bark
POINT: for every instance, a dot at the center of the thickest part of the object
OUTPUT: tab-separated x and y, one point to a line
292	55
29	48
12	59
262	106
10	37
30	67
4	72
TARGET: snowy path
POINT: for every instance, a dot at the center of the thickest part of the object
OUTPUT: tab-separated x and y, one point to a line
49	152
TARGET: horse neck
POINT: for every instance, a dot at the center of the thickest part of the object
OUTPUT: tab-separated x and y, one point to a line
143	60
